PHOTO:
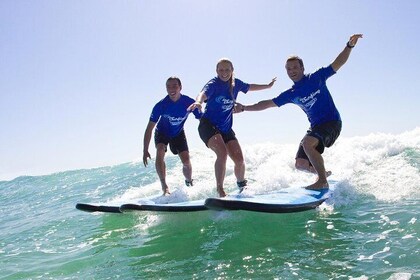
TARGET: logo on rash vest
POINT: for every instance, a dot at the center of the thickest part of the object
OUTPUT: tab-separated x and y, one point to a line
310	100
174	121
227	104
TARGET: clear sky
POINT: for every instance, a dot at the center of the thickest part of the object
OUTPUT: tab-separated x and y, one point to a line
78	79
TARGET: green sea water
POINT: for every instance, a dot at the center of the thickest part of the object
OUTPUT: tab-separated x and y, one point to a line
368	230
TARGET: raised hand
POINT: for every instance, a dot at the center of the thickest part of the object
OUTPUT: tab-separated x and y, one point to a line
272	81
353	39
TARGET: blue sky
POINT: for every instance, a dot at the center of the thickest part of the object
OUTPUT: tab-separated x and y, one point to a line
78	79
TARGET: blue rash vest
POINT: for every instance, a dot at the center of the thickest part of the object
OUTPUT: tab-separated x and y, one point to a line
219	108
170	116
312	96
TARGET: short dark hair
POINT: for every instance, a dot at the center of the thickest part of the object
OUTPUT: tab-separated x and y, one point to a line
174	78
295	57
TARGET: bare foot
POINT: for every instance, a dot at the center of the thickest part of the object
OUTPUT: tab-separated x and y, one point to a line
221	192
318	186
166	191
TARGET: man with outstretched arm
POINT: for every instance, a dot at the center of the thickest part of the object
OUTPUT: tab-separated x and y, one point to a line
311	94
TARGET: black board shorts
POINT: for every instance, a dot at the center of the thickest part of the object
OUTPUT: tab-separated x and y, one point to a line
177	144
326	133
207	130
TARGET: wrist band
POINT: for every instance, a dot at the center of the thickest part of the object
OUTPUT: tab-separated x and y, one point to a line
349	46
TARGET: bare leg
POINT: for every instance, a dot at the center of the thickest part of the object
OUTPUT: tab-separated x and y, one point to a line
309	144
161	167
235	153
186	165
218	146
303	165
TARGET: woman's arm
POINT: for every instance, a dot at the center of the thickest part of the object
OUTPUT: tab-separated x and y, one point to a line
254	87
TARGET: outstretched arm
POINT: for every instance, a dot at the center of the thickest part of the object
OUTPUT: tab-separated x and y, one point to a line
262	105
146	141
344	55
253	87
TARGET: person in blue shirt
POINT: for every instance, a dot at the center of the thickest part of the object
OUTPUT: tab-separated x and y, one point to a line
169	116
311	94
215	127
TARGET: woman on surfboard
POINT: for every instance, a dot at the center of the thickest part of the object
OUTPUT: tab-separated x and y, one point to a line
169	116
215	127
311	94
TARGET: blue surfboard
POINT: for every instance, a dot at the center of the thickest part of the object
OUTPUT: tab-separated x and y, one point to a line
283	201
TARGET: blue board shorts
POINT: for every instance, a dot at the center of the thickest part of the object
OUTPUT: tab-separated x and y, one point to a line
326	133
177	144
207	130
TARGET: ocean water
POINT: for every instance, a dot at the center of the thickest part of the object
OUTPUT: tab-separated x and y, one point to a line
368	230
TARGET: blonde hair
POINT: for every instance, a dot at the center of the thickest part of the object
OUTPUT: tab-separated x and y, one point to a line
232	77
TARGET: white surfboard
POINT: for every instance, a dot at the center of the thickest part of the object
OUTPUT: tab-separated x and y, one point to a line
177	201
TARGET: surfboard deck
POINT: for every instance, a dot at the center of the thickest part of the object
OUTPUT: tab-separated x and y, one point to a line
283	201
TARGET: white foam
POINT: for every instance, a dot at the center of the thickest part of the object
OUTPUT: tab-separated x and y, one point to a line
377	164
400	276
